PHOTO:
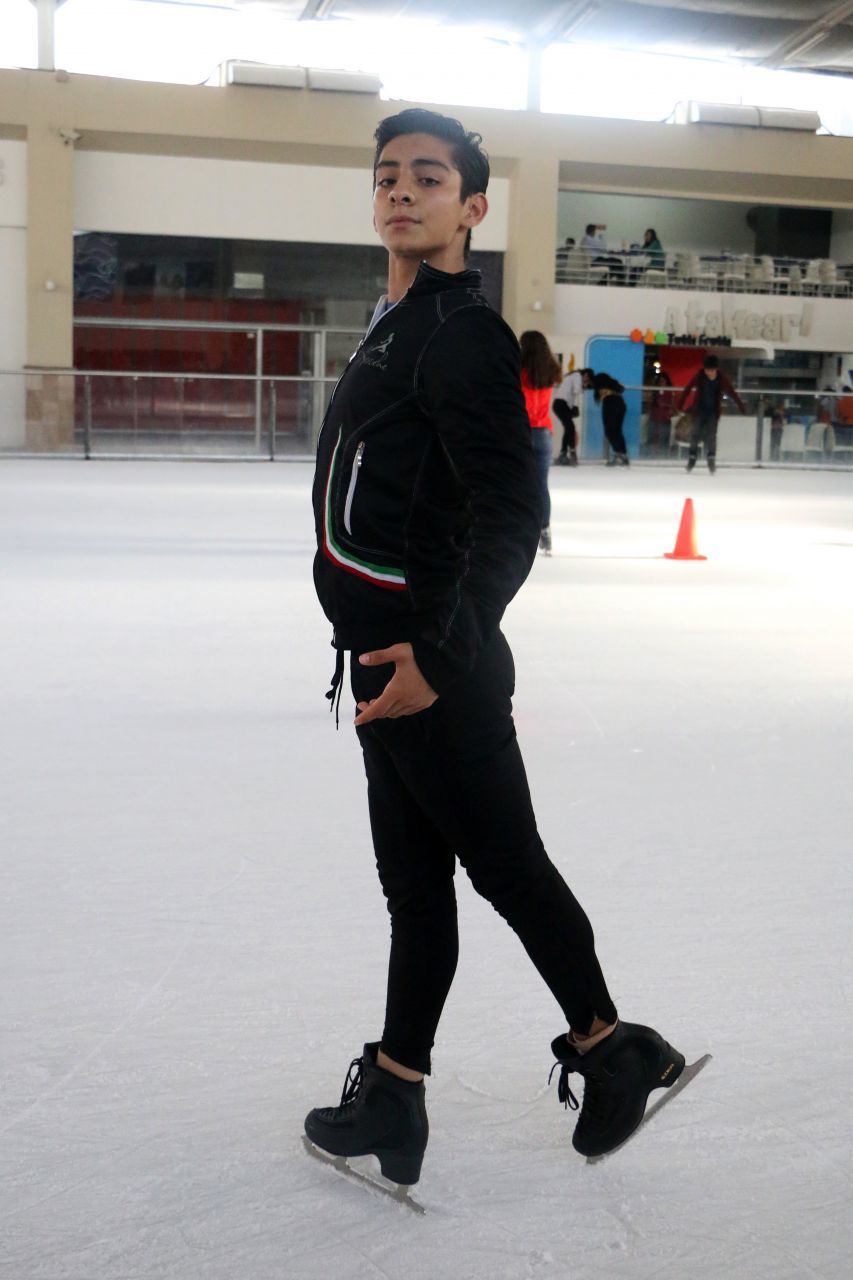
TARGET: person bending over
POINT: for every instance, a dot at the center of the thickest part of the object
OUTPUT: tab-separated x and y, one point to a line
608	392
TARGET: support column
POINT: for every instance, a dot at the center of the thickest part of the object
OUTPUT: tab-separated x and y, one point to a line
534	77
529	263
47	42
50	286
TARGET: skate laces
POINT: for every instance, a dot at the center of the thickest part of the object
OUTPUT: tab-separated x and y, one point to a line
598	1100
352	1084
564	1093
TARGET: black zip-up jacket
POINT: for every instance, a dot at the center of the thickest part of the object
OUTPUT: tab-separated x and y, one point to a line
426	499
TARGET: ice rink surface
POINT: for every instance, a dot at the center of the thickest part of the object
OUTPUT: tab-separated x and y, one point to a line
193	942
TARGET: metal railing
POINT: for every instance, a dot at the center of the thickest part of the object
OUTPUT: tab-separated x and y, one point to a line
722	272
105	414
287	407
108	414
782	426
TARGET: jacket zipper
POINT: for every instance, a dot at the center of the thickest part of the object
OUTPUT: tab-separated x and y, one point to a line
353	481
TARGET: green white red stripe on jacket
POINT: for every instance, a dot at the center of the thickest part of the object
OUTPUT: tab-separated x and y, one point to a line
382	575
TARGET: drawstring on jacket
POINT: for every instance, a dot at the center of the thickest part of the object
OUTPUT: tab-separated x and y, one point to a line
334	694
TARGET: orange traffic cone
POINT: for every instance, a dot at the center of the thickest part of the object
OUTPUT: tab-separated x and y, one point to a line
685	542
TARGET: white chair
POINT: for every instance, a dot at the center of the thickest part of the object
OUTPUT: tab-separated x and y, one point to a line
820	438
830	284
812	280
576	265
580	269
680	279
701	276
795	278
793	439
776	279
654	278
734	274
761	275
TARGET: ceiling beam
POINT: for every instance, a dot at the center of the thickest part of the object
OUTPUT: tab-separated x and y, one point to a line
810	36
568	20
316	10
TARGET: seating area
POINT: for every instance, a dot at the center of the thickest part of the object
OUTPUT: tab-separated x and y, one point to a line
717	272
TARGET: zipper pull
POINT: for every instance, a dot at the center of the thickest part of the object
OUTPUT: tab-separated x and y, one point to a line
353	481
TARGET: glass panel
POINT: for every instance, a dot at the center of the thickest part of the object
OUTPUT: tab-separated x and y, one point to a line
164	350
170	415
339	350
248	281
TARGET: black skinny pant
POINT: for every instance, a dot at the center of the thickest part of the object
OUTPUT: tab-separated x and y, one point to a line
447	783
570	431
703	430
612	417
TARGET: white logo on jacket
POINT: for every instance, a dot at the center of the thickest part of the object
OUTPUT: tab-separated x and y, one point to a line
378	355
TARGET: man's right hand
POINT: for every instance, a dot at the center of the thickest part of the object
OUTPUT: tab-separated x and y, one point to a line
405	694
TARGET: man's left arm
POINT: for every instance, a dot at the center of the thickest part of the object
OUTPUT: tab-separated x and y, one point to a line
728	388
470	384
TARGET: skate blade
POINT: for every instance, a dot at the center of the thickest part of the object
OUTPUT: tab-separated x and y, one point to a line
687	1076
393	1190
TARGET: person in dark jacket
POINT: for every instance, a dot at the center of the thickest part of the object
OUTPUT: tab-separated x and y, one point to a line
427	511
704	394
608	392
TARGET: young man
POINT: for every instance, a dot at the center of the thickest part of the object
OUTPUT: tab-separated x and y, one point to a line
427	513
705	392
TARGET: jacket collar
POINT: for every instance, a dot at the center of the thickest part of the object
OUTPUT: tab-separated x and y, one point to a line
429	280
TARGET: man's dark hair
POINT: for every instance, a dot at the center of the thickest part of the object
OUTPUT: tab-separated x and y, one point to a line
468	156
590	230
711	362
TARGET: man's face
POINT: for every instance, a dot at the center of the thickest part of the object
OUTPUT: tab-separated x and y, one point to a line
417	208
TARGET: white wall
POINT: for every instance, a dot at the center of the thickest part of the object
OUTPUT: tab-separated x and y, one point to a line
240	199
795	323
680	224
13	289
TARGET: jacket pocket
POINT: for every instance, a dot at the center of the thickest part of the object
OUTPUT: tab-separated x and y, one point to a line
382	567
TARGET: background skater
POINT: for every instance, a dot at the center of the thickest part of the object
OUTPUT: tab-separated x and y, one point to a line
704	396
608	392
540	373
427	514
567	407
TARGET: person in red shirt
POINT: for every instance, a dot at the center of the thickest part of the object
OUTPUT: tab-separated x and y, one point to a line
540	373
